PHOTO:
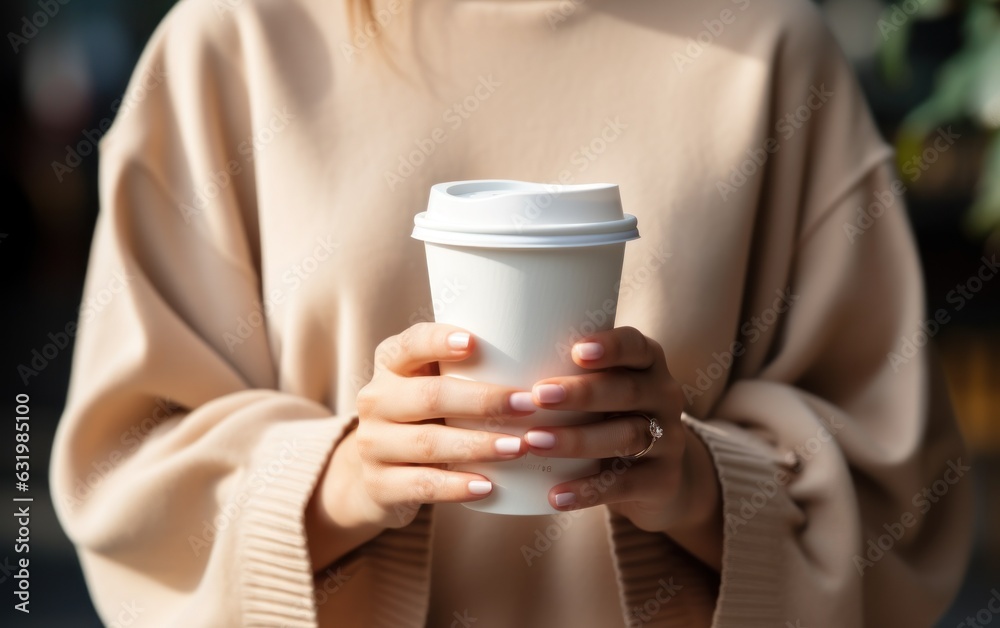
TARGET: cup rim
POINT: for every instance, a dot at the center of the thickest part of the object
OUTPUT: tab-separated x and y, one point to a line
547	237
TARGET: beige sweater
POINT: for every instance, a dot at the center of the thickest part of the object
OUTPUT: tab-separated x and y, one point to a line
253	248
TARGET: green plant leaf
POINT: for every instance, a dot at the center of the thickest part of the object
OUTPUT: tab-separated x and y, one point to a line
984	215
952	95
893	61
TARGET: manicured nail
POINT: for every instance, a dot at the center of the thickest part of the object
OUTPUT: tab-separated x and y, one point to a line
479	487
510	445
589	350
550	393
542	440
458	340
565	499
522	402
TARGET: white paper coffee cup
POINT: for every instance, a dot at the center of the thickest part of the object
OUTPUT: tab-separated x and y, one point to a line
528	269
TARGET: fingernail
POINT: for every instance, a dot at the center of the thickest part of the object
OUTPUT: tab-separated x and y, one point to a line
550	393
589	350
480	487
510	445
522	402
458	340
542	440
565	499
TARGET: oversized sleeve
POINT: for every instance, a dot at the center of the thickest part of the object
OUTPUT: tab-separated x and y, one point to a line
182	466
846	486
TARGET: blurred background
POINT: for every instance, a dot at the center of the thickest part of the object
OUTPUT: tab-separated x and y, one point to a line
923	64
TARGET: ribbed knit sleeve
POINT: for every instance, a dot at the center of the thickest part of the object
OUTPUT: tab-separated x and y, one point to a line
181	467
385	583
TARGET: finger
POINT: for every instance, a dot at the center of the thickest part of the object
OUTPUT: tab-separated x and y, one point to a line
409	351
621	481
401	488
431	443
610	438
419	398
617	390
622	346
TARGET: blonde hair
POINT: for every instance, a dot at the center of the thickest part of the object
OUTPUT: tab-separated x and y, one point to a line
361	13
367	11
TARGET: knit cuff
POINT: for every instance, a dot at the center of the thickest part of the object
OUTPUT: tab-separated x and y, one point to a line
276	577
399	561
754	527
659	583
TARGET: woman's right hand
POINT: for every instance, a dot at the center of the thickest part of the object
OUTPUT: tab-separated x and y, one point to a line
402	442
397	459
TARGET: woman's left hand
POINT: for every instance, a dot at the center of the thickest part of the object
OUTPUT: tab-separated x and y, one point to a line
664	490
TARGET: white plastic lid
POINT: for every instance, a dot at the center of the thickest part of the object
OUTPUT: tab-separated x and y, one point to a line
516	214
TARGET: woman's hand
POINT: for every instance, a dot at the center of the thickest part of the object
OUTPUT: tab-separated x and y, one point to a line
673	488
396	459
401	439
